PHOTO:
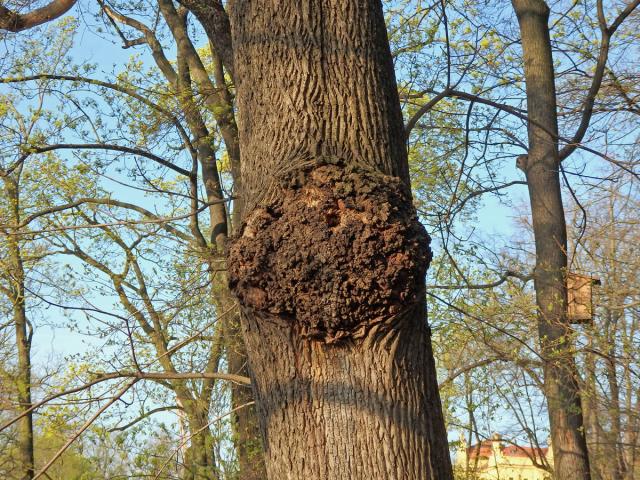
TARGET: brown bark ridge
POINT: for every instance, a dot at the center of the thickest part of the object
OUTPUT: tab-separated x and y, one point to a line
541	167
16	22
340	351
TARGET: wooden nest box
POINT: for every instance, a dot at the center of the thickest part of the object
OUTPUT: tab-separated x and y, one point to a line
580	298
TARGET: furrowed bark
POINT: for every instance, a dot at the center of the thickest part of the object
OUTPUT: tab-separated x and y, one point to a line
541	167
329	264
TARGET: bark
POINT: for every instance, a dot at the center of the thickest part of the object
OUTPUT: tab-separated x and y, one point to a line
215	21
246	431
202	138
590	405
199	462
541	167
336	334
246	428
216	97
618	466
16	277
25	424
17	22
219	100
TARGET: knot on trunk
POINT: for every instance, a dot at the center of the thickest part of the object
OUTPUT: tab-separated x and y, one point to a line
337	252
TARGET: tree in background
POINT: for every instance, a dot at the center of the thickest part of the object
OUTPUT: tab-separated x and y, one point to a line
542	167
23	123
80	207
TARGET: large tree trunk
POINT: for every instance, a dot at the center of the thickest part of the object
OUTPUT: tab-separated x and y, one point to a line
543	178
329	264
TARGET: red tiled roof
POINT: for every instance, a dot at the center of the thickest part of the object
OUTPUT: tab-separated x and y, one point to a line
518	451
485	450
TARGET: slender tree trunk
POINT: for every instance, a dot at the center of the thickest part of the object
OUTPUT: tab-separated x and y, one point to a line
246	429
543	178
329	264
247	440
218	99
590	403
23	381
618	466
199	461
16	277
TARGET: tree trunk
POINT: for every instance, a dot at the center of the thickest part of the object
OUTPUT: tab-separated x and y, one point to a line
618	466
199	461
246	429
329	264
16	277
23	382
218	99
590	404
543	179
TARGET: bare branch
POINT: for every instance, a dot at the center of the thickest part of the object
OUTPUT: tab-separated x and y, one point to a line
142	417
153	220
17	22
603	55
503	278
105	146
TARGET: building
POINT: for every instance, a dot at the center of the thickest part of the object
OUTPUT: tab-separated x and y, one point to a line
495	459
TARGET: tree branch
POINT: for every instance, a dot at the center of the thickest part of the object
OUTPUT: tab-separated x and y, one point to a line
105	146
142	417
17	22
112	86
503	278
603	55
149	38
215	21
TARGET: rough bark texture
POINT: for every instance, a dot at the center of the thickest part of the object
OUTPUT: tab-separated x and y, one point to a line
338	251
343	390
314	81
543	178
